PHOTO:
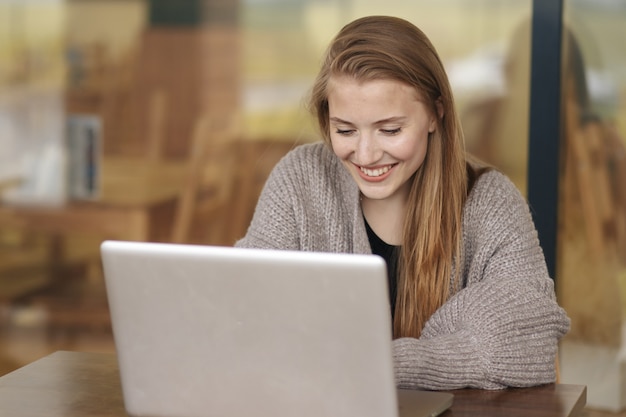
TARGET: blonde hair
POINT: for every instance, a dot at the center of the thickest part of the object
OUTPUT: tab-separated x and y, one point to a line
382	47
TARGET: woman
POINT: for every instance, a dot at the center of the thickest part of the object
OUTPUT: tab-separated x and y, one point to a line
472	302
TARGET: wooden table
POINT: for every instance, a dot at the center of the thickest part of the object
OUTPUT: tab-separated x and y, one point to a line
82	384
133	192
137	201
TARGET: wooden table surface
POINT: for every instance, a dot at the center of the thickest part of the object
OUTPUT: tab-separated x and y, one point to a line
72	384
132	193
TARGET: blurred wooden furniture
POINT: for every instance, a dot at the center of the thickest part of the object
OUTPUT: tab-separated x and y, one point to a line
209	182
133	193
137	202
594	180
72	384
23	266
164	165
255	161
140	196
151	198
153	103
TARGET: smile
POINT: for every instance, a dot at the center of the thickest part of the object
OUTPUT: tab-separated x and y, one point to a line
373	174
376	172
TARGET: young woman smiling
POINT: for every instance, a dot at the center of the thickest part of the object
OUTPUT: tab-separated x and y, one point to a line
471	300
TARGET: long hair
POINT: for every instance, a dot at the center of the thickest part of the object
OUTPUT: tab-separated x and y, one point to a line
382	47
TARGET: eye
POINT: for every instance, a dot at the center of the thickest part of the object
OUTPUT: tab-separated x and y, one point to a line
344	132
391	132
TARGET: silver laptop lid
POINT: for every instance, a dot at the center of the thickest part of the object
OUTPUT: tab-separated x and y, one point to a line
216	331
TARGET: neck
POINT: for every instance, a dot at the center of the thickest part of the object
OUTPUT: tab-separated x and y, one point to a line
386	218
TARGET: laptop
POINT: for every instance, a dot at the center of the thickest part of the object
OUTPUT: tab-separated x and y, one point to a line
221	331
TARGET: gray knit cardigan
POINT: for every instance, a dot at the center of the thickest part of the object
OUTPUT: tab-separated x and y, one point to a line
501	329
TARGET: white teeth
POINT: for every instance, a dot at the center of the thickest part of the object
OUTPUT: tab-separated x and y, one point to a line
375	172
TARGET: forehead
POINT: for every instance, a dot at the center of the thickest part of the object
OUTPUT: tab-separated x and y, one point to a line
345	84
348	94
374	102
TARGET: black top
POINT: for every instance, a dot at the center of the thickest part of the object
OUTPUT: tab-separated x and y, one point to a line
390	254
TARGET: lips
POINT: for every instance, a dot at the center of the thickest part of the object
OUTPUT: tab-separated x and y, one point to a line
375	174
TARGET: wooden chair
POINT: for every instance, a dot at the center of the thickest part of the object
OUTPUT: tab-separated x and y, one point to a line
206	193
76	303
157	124
255	161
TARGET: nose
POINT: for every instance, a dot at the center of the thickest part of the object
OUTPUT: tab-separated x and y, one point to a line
367	151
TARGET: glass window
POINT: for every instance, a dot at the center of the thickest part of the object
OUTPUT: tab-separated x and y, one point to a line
160	91
31	105
484	45
592	210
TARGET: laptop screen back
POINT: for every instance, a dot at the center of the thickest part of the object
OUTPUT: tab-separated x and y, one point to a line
214	331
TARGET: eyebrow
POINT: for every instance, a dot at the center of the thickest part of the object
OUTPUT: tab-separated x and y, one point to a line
392	119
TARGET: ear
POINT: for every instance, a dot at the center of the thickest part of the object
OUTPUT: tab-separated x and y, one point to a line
433	121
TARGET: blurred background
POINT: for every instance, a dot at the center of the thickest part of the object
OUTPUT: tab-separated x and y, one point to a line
159	120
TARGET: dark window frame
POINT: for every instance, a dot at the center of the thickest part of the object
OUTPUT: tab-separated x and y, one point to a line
545	124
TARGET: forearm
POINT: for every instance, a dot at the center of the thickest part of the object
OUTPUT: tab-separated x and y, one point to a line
444	363
455	361
492	335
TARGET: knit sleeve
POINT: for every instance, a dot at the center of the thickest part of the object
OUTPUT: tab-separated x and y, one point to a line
502	329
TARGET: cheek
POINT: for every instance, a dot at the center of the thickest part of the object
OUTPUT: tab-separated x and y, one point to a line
419	154
340	147
411	149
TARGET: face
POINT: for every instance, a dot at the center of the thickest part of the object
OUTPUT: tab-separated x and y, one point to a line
379	129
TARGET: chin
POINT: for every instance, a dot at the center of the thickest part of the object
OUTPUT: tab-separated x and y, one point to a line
372	195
